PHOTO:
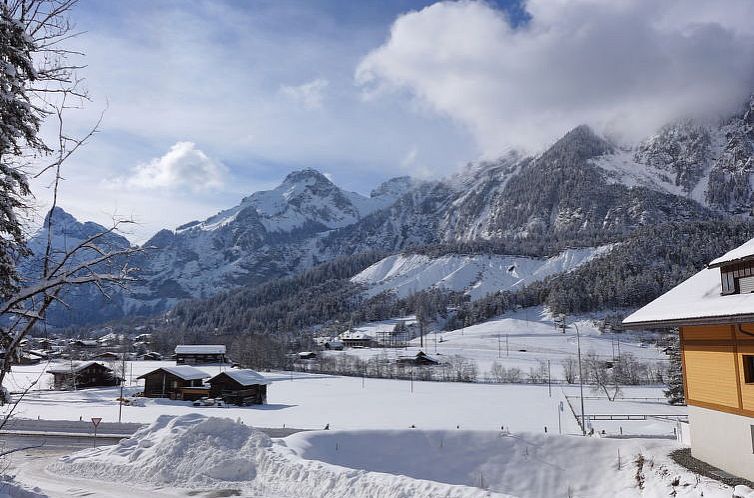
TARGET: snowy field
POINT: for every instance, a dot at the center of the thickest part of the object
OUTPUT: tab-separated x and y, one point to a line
518	339
312	401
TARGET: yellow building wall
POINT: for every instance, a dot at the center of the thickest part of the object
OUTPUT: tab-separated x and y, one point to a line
747	390
707	332
711	375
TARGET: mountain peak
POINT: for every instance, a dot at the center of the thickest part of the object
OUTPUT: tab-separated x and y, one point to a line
394	187
59	216
308	176
580	143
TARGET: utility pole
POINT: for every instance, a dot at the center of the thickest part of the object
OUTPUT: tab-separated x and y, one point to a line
581	378
123	351
421	333
549	382
507	351
498	346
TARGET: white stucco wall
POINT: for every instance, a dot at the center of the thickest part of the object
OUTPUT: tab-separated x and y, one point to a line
723	440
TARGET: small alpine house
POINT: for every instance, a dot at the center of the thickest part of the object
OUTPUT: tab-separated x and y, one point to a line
240	387
196	354
714	311
81	375
180	382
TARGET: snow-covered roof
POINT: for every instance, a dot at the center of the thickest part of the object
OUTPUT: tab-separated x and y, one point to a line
85	342
740	253
245	377
697	299
76	367
355	335
184	372
200	349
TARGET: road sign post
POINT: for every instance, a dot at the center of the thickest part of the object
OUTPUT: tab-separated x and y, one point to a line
95	423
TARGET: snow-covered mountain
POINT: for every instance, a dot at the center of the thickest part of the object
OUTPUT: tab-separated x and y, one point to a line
582	185
268	235
709	163
475	275
84	304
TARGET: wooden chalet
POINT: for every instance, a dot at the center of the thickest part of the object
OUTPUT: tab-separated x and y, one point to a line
420	359
181	382
240	387
714	312
83	375
197	354
84	344
107	356
354	339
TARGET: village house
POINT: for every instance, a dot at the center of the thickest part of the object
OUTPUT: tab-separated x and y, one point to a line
84	344
82	375
196	354
175	382
240	387
355	339
107	356
420	359
714	311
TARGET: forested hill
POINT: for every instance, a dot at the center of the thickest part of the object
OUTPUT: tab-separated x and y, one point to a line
648	263
636	270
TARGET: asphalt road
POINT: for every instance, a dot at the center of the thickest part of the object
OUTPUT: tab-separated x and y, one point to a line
66	434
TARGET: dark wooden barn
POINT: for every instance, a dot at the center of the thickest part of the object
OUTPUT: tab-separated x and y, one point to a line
421	359
196	354
240	387
180	382
81	375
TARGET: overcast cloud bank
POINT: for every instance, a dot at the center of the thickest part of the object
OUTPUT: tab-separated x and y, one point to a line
623	67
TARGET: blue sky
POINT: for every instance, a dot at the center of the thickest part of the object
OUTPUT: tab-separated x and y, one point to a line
208	101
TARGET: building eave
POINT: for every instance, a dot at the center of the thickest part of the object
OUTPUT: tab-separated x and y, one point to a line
679	322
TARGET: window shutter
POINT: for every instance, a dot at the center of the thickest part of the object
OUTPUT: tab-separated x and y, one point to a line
746	285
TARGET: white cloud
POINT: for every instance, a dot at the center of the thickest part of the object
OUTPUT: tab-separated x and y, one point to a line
184	166
310	95
621	66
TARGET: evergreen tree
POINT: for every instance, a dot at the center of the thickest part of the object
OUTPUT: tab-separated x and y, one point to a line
674	393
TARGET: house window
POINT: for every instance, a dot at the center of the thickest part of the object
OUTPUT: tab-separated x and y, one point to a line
748	368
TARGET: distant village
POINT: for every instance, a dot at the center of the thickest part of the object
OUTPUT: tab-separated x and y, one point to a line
78	363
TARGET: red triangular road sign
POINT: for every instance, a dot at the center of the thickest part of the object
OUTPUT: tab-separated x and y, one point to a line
96	421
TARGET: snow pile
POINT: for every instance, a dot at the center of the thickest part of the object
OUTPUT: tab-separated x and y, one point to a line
9	488
195	451
742	491
189	450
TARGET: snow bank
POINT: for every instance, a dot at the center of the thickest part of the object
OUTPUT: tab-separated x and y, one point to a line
9	488
197	451
522	465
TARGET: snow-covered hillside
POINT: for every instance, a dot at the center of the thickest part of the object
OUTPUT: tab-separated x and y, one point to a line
518	339
477	275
